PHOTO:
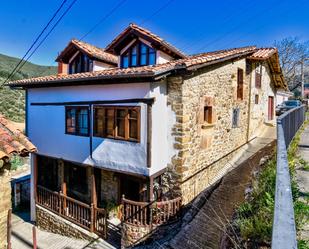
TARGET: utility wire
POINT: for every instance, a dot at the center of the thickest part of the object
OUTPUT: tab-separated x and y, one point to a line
235	28
35	41
156	12
103	18
45	37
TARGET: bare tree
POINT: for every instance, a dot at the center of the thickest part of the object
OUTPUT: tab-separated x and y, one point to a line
291	51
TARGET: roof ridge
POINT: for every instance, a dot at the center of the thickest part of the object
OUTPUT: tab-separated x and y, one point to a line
222	51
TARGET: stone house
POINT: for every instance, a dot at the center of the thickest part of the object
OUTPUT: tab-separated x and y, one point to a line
141	119
12	142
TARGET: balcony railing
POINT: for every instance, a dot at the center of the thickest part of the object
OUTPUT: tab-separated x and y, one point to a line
147	213
87	216
284	230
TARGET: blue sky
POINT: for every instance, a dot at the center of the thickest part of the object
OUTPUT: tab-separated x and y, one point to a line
193	26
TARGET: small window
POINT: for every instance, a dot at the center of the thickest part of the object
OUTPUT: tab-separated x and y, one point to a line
208	114
258	76
117	122
235	118
77	121
256	99
240	83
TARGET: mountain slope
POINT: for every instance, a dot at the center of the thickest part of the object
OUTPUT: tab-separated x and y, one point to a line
12	102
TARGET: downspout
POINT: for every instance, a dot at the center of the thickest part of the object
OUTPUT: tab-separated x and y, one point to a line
90	129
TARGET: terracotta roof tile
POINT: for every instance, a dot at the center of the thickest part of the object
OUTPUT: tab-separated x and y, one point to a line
152	70
92	51
151	35
263	53
12	140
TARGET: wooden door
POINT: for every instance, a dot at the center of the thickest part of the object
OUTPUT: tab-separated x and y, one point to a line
270	108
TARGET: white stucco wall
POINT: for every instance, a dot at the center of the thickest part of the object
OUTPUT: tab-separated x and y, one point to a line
97	66
46	127
259	112
163	57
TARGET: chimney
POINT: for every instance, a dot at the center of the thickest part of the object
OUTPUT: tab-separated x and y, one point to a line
62	68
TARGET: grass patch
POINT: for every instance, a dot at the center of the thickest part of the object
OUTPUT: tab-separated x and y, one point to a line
254	218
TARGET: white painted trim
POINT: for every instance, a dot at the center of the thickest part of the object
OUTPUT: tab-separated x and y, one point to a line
32	198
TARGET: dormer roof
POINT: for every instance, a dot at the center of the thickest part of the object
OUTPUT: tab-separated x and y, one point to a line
133	31
91	51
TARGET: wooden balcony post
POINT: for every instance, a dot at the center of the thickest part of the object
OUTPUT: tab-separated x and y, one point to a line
63	190
92	218
151	199
94	199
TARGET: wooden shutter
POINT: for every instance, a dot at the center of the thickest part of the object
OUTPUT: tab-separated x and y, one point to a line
240	83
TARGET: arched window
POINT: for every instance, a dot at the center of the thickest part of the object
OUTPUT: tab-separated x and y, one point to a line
139	54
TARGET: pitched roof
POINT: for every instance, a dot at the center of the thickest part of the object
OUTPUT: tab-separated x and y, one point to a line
199	60
272	56
92	51
13	141
148	34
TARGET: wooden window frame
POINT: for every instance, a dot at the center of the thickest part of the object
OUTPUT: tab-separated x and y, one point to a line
77	109
258	76
240	84
138	54
86	64
115	128
208	114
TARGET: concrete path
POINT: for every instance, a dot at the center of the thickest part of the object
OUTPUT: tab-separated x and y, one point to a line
22	237
302	175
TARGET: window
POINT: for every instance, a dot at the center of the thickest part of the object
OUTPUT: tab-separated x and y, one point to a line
80	64
258	76
208	114
235	118
77	120
117	122
139	54
256	99
240	83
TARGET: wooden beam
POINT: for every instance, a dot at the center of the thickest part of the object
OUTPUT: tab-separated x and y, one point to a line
94	199
149	134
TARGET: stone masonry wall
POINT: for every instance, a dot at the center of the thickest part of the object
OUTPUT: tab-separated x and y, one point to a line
200	144
5	205
50	222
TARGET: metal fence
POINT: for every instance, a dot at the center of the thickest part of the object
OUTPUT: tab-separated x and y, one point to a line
284	230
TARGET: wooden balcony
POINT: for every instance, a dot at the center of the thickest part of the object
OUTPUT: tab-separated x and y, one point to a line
86	216
150	213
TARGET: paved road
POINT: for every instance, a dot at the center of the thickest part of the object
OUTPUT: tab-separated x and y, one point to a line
302	175
22	238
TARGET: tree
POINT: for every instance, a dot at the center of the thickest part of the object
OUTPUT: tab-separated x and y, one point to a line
291	52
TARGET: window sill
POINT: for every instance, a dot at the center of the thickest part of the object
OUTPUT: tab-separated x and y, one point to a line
207	125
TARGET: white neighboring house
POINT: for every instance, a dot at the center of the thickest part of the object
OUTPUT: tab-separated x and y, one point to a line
283	95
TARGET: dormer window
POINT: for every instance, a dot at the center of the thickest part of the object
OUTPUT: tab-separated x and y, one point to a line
139	54
80	64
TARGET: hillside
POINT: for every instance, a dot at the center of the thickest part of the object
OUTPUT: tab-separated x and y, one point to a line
12	101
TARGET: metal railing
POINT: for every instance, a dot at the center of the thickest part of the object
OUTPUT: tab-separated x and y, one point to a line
284	230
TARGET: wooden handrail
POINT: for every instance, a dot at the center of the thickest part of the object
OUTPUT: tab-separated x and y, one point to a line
87	216
149	213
